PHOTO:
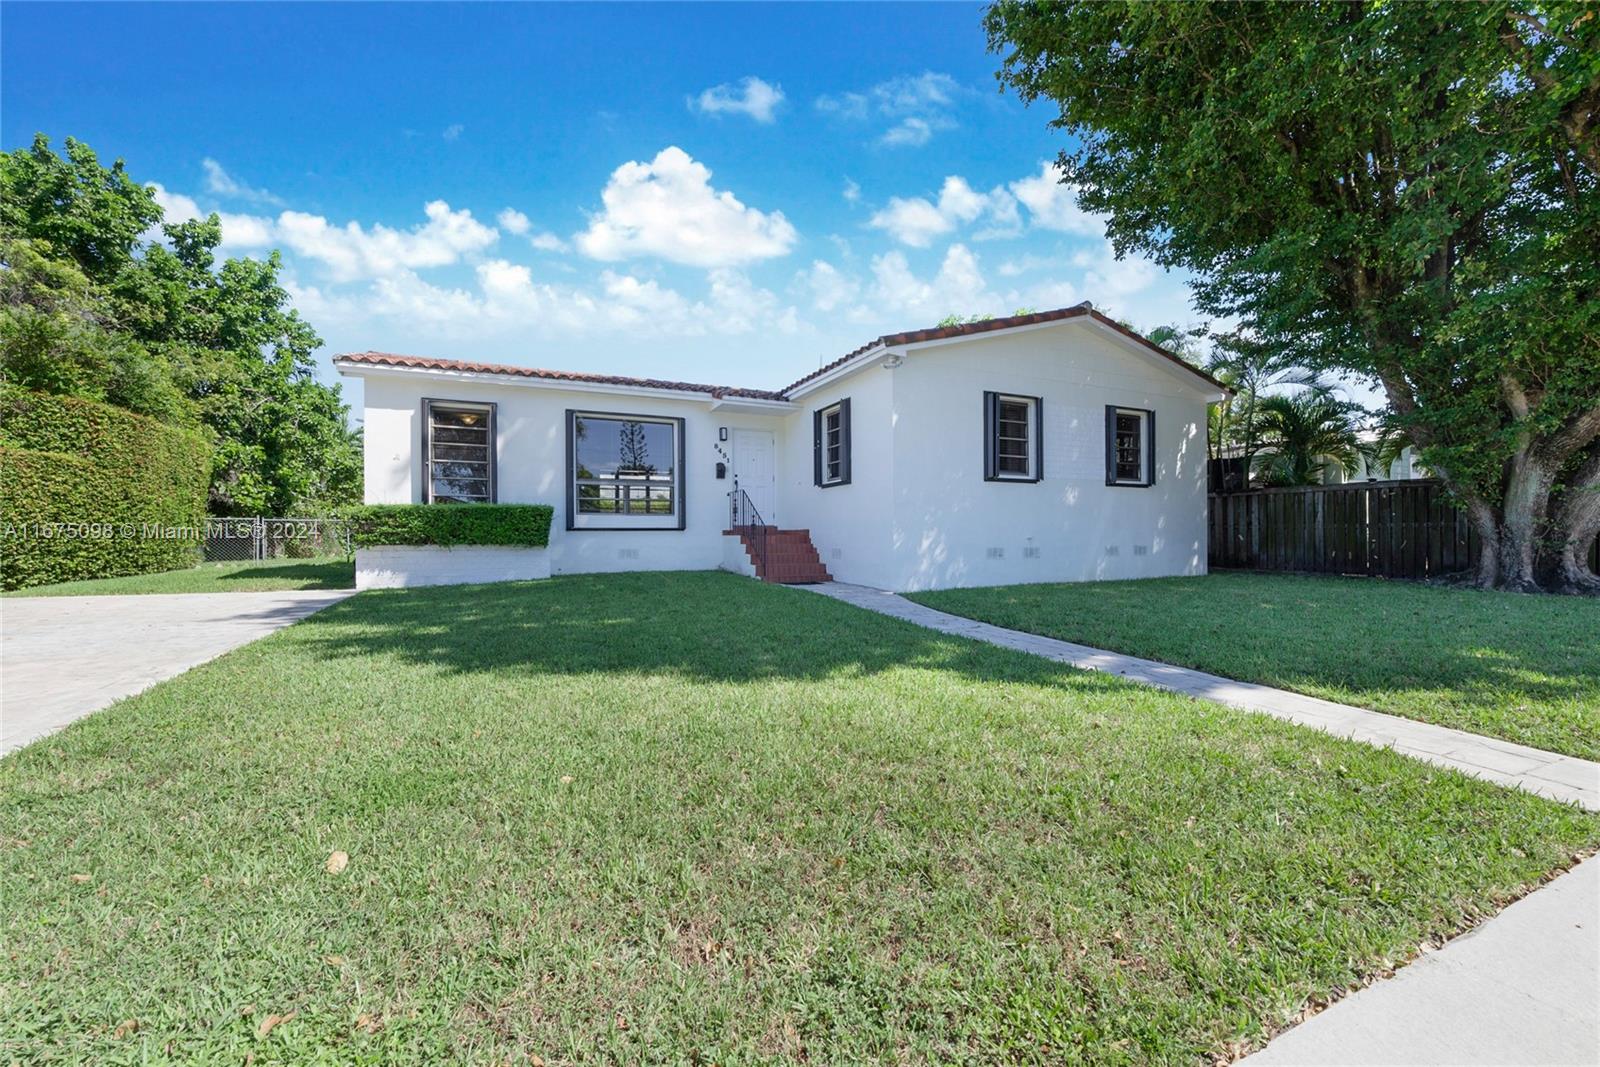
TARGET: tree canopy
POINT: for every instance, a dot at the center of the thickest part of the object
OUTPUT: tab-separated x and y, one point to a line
1402	191
99	298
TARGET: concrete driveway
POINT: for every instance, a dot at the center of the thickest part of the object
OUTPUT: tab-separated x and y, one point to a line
62	658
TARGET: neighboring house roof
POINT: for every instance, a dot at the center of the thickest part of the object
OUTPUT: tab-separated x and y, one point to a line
890	340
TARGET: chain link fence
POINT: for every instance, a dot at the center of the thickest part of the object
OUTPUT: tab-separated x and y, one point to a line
260	537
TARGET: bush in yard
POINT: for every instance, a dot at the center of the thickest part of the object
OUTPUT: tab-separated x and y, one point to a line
450	524
83	485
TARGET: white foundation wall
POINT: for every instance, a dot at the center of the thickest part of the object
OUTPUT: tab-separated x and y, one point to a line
531	464
851	525
952	528
406	566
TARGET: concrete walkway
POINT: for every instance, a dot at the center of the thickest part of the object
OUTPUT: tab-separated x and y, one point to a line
1522	988
62	658
1548	774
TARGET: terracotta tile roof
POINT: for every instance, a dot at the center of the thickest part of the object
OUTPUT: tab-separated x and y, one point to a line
888	340
940	333
389	359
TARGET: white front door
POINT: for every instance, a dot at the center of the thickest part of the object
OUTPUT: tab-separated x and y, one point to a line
755	460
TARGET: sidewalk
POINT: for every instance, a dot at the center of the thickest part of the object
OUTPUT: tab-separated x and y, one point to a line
1522	988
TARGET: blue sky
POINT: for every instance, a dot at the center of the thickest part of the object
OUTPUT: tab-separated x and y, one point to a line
717	193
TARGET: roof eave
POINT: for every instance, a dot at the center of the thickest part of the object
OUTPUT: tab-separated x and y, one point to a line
358	368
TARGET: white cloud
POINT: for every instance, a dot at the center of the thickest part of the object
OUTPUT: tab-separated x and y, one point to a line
246	231
547	242
912	132
513	221
405	296
958	288
1108	277
175	207
667	208
453	131
916	106
221	183
239	232
829	288
751	96
852	191
352	252
1053	205
916	221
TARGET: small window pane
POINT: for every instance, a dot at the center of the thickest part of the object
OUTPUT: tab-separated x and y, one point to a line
1130	446
833	444
460	455
1013	425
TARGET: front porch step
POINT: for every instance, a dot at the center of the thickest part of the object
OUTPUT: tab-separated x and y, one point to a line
790	557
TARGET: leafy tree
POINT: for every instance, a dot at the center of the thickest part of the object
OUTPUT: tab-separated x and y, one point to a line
55	337
1403	191
90	306
1301	434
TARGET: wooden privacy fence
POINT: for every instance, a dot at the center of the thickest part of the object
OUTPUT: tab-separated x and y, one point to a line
1404	529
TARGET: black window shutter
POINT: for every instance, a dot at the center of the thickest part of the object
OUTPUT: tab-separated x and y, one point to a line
1111	445
991	436
1038	438
844	440
816	447
1150	445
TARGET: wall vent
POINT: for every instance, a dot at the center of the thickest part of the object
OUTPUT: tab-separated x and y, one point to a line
627	553
837	553
997	553
1113	550
1030	552
1141	550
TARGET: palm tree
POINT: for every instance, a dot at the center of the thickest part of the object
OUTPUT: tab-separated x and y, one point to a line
1301	434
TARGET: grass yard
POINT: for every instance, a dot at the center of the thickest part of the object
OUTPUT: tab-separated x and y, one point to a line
1521	668
254	577
690	818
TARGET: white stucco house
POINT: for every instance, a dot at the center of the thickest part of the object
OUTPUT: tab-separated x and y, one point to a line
1054	446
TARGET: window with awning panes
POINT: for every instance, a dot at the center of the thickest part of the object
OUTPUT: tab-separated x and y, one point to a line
459	452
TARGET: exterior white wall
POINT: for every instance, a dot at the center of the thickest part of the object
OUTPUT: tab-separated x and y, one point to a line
917	513
531	464
947	520
403	566
851	525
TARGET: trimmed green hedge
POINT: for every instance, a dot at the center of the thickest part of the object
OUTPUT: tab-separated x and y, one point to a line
88	490
450	524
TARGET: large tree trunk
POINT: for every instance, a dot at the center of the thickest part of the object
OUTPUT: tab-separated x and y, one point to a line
1524	522
1575	525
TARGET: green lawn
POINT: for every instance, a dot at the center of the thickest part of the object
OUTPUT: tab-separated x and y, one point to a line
1521	668
691	818
259	577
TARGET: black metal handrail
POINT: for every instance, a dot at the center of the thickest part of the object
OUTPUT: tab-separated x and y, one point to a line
744	518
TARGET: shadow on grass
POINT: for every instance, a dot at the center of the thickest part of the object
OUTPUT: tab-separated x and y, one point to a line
327	574
703	626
